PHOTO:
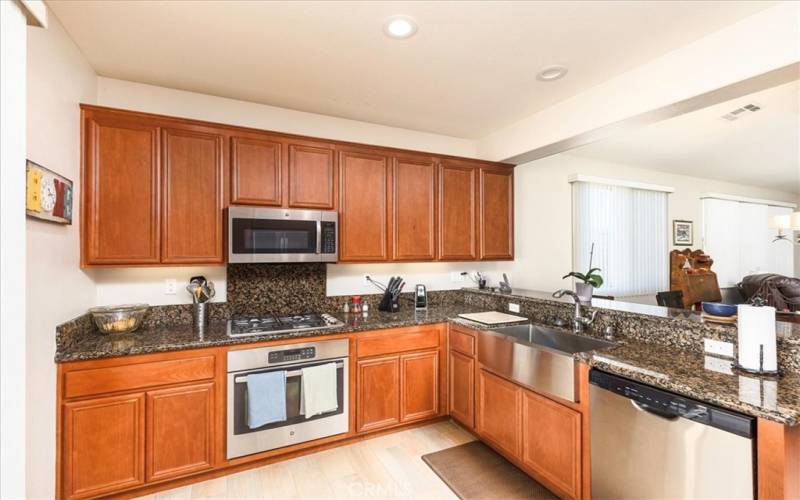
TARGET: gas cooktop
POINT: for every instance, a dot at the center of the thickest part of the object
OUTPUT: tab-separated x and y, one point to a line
259	325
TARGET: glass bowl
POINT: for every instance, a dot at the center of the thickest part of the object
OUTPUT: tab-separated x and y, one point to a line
118	319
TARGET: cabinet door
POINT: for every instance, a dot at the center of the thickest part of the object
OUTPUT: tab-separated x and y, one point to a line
419	385
498	417
192	197
103	445
414	209
180	430
457	217
497	213
551	443
363	206
462	388
120	192
256	171
378	385
312	176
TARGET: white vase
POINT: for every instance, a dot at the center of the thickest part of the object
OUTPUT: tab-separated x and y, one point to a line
584	291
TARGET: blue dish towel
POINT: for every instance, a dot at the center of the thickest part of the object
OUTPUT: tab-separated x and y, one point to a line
266	398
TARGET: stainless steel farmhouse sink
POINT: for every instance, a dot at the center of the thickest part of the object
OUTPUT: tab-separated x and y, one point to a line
535	356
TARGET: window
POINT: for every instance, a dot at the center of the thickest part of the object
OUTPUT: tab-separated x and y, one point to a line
629	230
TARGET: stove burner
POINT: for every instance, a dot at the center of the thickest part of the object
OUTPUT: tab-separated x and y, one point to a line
258	325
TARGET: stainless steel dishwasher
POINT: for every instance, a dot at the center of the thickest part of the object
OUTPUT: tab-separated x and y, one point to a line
650	443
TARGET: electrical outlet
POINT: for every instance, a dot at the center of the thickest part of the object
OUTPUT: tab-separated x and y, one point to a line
365	279
170	287
512	307
457	277
719	348
718	365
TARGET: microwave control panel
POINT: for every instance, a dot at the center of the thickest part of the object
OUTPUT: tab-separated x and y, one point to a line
328	237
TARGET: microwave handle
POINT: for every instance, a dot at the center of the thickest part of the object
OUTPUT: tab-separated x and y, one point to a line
319	237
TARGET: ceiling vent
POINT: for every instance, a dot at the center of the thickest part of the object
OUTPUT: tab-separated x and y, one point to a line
738	112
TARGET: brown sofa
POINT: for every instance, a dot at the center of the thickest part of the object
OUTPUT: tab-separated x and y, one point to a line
780	292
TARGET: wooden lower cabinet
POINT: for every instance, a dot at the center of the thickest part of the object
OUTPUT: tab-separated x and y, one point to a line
551	443
103	445
419	386
461	388
180	430
378	386
498	416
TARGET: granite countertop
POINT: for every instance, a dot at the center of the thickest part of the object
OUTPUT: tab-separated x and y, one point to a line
183	336
706	378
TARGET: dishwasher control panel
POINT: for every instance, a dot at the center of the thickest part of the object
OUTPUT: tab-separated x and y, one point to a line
669	405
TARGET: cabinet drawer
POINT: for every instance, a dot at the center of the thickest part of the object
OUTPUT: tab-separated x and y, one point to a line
400	340
462	342
137	376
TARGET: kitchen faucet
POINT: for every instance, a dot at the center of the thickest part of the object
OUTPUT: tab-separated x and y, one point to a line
579	322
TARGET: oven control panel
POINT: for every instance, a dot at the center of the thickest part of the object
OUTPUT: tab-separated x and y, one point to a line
292	355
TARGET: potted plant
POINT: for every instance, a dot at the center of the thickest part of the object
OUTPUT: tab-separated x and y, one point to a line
588	281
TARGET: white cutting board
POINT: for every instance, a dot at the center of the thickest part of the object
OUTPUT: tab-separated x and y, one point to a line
492	318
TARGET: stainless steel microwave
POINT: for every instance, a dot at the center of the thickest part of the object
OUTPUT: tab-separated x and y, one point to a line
260	234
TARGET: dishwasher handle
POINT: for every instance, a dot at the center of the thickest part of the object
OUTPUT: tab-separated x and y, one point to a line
666	415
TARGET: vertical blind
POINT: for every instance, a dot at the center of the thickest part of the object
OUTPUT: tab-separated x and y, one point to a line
629	230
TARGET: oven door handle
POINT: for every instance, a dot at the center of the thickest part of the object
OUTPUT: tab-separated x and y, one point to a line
294	373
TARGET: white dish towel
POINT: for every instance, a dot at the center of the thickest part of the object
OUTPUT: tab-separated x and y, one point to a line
318	390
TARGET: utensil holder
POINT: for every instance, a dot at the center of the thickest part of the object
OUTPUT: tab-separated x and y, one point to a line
200	315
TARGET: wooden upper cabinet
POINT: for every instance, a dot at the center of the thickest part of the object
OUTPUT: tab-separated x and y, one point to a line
457	211
192	204
496	213
256	171
180	430
120	191
414	208
103	445
312	176
363	206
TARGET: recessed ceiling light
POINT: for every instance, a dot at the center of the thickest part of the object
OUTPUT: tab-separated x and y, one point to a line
551	73
400	27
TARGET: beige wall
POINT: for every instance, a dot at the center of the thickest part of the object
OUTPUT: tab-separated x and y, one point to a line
58	78
543	210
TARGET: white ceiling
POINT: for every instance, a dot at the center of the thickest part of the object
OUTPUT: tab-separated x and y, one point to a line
759	149
470	70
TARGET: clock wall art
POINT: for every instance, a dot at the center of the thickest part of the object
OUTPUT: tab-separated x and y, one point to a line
48	196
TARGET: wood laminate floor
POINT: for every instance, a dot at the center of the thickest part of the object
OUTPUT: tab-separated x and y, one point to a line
387	466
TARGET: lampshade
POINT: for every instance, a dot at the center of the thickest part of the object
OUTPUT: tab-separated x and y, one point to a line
794	223
781	221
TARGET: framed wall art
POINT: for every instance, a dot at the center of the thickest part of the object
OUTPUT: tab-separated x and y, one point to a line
48	195
682	233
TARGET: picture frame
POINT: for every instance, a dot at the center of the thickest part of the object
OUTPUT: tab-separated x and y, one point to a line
48	195
682	233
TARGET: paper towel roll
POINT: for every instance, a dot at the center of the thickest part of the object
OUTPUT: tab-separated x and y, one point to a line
757	329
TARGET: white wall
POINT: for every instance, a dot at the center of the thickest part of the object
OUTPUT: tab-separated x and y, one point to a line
12	251
132	285
57	290
715	61
543	211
